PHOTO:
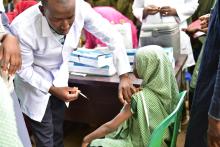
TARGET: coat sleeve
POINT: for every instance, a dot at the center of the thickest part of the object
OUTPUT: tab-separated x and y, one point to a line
27	72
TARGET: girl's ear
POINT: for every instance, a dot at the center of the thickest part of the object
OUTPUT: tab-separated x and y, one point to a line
42	10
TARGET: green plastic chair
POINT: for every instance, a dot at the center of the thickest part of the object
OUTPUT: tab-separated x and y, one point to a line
173	118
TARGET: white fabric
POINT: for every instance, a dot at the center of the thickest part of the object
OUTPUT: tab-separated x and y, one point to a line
184	8
45	60
125	31
2	8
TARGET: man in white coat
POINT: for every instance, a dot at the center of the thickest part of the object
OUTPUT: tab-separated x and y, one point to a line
48	33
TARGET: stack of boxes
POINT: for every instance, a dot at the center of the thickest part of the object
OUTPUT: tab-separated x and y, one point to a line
92	61
100	61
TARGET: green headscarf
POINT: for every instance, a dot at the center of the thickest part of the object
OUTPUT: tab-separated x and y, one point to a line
159	90
154	67
8	126
151	105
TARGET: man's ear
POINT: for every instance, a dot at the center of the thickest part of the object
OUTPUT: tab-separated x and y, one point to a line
42	10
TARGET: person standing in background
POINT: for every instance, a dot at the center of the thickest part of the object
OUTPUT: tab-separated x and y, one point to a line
204	125
160	11
196	40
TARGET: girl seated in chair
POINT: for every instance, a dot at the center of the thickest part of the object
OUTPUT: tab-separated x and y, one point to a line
156	99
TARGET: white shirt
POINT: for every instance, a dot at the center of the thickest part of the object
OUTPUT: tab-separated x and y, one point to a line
184	9
45	59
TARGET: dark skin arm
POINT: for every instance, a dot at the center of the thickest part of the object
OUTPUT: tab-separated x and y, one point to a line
191	31
204	26
66	94
150	10
213	133
109	126
10	56
164	11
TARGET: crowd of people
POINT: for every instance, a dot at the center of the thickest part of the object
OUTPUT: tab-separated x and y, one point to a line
38	36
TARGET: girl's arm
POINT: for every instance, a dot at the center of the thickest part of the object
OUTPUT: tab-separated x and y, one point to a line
109	126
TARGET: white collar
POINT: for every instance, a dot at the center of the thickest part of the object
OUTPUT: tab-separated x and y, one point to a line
46	31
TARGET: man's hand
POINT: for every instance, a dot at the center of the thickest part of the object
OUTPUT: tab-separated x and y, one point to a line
150	10
126	89
213	133
66	94
10	57
191	31
168	11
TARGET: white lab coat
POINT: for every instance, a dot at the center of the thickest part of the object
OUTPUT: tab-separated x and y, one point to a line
45	59
184	8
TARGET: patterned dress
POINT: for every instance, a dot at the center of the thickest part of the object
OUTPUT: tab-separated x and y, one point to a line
8	131
156	100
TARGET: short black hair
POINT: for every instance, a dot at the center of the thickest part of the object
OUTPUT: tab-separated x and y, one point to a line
45	2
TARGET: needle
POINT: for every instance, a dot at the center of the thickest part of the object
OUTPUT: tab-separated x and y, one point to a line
83	95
